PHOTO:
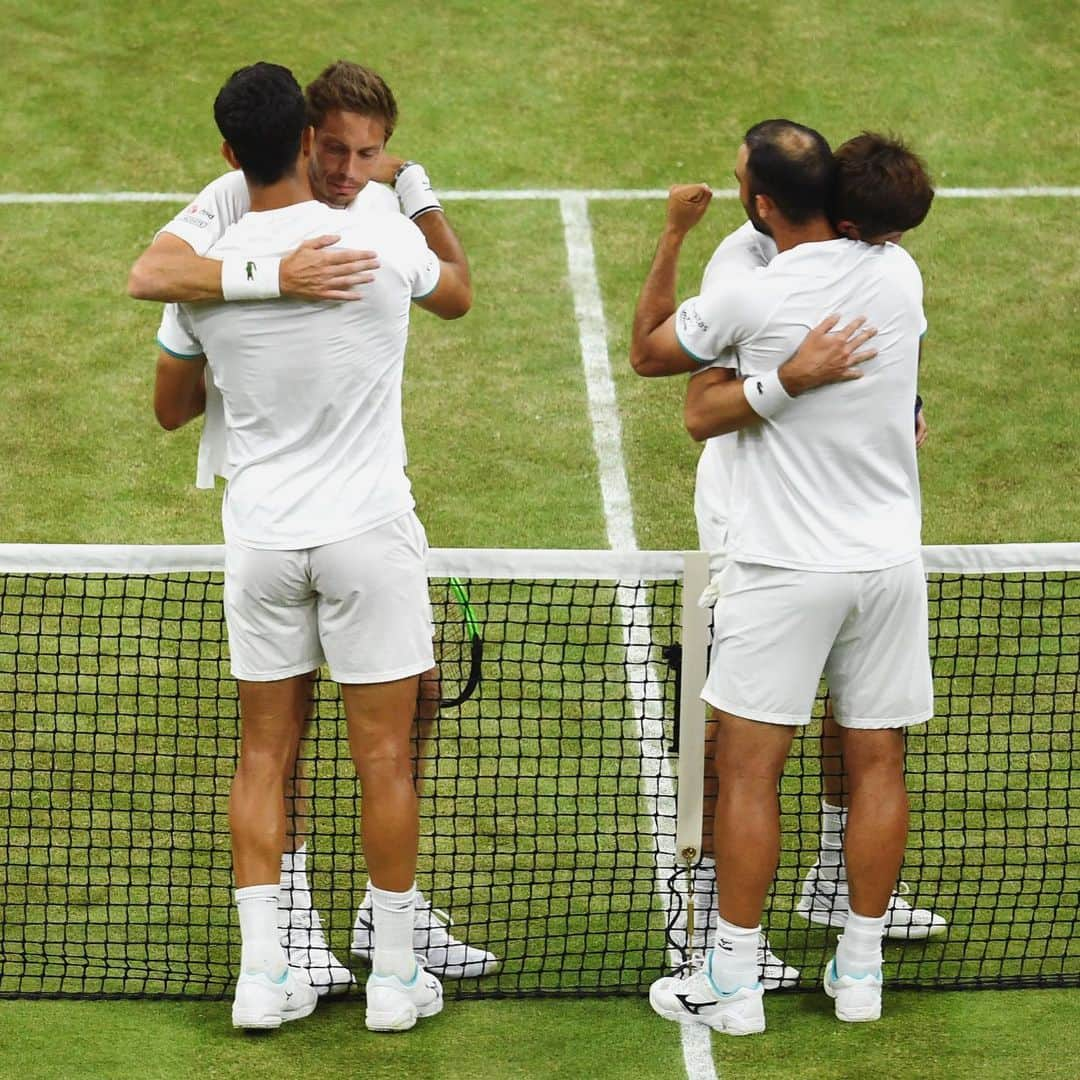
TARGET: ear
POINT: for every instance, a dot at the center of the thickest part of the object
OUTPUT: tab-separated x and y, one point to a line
764	206
848	229
307	140
229	156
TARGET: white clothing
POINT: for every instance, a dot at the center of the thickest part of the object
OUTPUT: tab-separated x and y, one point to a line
741	251
831	483
776	630
361	605
222	203
312	390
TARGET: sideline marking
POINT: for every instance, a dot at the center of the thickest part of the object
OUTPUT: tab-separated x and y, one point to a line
619	518
563	195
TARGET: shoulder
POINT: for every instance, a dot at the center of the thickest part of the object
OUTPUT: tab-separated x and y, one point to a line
375	196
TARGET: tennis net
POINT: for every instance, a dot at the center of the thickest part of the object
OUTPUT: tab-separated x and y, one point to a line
549	784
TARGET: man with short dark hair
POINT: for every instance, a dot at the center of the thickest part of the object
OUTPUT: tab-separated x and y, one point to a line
353	112
824	541
325	559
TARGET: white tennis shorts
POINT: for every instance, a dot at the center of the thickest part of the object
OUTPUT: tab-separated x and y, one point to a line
360	605
777	631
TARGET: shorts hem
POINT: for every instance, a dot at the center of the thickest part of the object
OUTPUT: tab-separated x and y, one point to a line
863	723
364	678
780	719
280	673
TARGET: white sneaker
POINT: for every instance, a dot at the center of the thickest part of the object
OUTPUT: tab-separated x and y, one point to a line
691	997
441	952
772	971
825	902
394	1005
262	1002
306	948
858	1000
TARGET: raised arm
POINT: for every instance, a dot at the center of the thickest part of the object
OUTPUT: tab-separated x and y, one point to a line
170	271
654	347
718	402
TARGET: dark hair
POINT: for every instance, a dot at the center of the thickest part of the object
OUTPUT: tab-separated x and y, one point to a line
260	113
349	87
881	186
792	165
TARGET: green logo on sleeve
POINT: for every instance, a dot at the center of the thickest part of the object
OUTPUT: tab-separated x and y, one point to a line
250	268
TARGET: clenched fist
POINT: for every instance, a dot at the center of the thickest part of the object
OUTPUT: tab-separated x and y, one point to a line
686	205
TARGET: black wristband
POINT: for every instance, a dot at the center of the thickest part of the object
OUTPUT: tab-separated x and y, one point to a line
918	404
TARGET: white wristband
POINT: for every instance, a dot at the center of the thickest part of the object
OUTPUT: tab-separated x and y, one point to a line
250	279
413	189
765	394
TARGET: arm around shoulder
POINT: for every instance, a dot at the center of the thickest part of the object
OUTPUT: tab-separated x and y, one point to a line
169	271
452	296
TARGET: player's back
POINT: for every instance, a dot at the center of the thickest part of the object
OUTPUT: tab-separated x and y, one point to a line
312	390
832	483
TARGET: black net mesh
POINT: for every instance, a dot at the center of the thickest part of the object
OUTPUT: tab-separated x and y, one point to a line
548	809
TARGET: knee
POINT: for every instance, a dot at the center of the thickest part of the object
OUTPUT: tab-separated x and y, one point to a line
265	764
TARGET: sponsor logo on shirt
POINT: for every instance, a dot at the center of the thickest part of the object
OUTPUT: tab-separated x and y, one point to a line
690	319
197	215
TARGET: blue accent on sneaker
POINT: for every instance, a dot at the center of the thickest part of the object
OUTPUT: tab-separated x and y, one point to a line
707	967
835	976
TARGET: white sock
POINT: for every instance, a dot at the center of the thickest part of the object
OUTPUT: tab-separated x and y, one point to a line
393	914
295	890
260	947
733	960
858	951
831	851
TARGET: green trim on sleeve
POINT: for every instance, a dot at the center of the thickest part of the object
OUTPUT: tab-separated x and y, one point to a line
179	355
689	352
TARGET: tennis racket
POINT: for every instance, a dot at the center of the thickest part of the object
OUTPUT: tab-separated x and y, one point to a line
459	643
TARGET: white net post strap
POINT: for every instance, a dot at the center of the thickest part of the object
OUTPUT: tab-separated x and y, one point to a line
695	647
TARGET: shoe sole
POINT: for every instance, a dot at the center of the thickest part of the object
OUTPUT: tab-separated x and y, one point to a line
837	921
271	1021
725	1024
402	1021
865	1015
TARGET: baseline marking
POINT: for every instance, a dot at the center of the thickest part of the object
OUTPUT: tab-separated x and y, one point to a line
526	194
657	780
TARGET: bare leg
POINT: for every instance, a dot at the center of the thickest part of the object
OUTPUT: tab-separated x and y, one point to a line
750	759
708	811
297	785
380	718
877	816
270	734
427	711
832	760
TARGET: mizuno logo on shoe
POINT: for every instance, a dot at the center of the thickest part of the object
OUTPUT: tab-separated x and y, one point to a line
694	1007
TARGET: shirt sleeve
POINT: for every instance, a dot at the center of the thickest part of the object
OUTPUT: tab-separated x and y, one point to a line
710	323
220	204
176	335
424	266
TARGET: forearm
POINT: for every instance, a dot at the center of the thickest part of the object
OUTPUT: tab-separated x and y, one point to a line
717	407
173	274
441	238
656	303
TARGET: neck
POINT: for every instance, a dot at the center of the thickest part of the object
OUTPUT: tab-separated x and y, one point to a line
814	231
288	191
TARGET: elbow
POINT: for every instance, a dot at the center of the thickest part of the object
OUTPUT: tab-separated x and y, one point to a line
139	285
168	416
642	363
695	425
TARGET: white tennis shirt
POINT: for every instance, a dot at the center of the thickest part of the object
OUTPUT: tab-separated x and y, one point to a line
831	482
311	390
222	203
743	250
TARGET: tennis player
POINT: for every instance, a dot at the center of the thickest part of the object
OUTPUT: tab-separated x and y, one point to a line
348	105
324	555
870	201
824	537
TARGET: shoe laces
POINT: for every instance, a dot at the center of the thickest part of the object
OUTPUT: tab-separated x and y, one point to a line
689	967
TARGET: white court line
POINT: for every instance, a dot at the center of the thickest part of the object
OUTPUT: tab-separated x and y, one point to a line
657	781
523	194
